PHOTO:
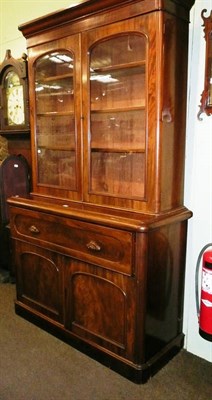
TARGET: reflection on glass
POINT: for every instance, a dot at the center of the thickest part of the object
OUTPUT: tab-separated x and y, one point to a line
55	129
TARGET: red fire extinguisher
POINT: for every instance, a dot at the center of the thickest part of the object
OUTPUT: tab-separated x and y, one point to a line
204	301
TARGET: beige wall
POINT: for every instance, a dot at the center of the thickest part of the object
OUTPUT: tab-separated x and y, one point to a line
16	12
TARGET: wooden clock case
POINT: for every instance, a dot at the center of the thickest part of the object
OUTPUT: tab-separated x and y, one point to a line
18	67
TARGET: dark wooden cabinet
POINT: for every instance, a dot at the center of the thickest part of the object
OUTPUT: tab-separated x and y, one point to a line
99	245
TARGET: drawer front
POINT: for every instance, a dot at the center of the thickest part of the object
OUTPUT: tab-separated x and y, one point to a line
107	247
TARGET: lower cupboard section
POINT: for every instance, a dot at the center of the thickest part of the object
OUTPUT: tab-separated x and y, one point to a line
89	302
132	321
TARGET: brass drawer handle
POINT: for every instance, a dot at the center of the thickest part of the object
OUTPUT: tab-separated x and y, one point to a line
92	245
33	229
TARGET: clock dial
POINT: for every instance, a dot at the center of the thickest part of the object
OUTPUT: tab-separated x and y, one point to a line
15	99
15	106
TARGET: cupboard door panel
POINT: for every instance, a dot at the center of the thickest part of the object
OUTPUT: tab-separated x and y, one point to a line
95	313
100	307
39	280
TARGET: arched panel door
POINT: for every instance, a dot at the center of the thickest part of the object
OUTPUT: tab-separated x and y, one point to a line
39	281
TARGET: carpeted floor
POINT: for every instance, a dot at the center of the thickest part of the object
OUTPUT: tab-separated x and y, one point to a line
34	365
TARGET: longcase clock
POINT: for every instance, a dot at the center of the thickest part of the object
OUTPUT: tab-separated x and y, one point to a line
14	105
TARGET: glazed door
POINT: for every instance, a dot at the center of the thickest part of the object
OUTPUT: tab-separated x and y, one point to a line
116	125
56	128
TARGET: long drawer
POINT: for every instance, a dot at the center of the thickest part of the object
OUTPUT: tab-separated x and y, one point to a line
107	247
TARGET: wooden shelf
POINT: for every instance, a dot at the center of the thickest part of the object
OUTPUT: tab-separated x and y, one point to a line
117	110
59	148
55	113
53	94
54	78
117	67
117	150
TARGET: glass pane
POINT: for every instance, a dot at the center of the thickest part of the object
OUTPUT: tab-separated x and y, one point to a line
55	131
120	88
55	124
56	168
123	49
118	116
110	130
55	95
118	174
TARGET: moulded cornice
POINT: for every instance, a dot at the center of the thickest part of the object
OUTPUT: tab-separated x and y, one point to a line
89	8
